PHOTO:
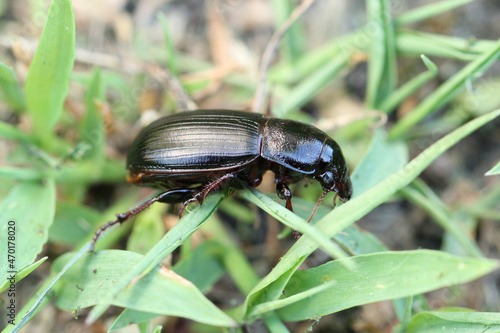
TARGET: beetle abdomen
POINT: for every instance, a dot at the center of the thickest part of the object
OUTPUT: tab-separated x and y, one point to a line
197	141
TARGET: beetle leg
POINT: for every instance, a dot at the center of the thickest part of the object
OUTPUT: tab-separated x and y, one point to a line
200	196
283	191
162	197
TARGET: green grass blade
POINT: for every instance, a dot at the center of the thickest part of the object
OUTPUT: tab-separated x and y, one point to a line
415	43
433	205
454	321
92	131
347	214
382	69
13	133
445	92
30	206
377	277
295	222
494	171
310	86
174	238
403	92
428	11
169	45
46	84
41	300
10	90
293	40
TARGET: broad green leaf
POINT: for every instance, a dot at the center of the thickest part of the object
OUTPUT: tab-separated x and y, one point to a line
92	131
377	277
46	84
270	287
10	90
203	268
89	280
445	92
26	215
382	159
454	321
494	171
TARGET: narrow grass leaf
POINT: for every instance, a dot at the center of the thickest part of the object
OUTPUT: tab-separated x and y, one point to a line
310	86
11	132
89	280
26	215
382	69
428	11
494	171
445	92
10	90
172	239
169	45
294	222
403	92
41	297
454	321
345	215
92	130
377	277
433	205
46	84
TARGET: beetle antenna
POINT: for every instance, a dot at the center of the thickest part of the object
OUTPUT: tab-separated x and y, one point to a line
317	205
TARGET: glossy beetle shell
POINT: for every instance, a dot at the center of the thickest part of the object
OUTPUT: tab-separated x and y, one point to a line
191	148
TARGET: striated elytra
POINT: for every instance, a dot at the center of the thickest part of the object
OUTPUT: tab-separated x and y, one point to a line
190	154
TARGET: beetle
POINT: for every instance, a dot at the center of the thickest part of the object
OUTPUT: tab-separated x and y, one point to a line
190	154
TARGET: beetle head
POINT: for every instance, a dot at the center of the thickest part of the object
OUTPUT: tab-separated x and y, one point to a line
332	171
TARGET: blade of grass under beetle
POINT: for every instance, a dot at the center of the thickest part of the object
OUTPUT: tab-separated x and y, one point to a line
295	222
345	215
427	11
444	92
47	82
186	226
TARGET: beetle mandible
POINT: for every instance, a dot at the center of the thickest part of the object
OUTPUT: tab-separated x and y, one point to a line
190	154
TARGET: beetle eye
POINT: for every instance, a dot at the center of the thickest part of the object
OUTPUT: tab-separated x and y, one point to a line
326	179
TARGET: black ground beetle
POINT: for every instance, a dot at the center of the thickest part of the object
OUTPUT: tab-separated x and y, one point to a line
190	154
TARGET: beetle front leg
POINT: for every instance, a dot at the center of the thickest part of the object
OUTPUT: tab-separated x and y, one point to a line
283	192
